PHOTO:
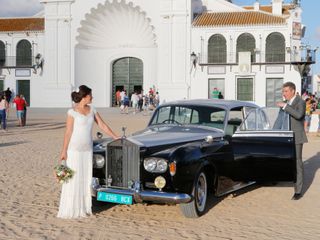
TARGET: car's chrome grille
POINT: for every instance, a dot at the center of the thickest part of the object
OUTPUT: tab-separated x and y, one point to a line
122	163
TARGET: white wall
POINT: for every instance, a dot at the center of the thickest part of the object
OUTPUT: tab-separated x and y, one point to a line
199	81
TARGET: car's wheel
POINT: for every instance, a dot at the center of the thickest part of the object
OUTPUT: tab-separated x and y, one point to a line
197	206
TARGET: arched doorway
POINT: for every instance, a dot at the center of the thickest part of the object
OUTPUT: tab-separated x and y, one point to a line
127	74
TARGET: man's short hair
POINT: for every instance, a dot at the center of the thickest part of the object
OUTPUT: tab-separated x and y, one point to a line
291	85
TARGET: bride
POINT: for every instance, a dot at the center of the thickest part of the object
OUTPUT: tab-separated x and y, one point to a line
75	198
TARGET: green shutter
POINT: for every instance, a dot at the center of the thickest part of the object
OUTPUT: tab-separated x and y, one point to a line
127	72
2	53
217	49
1	85
24	54
23	87
245	89
274	91
246	43
275	48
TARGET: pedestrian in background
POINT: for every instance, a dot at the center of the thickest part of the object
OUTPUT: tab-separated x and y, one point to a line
220	96
20	104
296	108
4	108
24	119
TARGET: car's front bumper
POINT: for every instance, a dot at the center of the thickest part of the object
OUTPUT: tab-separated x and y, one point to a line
142	195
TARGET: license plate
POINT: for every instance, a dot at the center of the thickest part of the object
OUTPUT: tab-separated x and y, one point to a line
114	198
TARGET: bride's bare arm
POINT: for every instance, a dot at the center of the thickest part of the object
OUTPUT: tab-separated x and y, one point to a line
67	136
103	126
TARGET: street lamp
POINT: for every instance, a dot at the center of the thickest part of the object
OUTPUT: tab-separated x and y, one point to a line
194	59
38	63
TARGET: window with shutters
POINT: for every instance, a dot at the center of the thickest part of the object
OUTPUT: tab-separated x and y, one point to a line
217	49
24	54
2	53
246	43
275	48
274	91
245	89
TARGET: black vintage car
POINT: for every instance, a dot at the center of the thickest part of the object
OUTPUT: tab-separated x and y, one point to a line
191	147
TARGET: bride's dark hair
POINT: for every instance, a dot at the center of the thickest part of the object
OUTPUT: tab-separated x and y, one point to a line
83	92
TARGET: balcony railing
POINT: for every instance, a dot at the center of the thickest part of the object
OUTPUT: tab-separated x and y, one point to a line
17	62
304	56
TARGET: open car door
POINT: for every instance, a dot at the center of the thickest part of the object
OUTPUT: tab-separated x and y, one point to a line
264	148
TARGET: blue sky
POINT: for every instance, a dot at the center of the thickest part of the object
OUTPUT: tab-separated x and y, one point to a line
11	8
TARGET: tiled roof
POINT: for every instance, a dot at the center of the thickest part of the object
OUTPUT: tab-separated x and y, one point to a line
237	18
21	24
268	8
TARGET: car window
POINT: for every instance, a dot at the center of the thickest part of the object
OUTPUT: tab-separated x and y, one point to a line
234	120
266	119
162	115
195	115
185	115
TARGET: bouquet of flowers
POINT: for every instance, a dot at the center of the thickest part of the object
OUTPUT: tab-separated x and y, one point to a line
63	173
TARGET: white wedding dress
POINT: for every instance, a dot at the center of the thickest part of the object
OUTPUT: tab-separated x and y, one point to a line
75	198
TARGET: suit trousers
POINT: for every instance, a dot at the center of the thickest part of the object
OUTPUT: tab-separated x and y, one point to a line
300	169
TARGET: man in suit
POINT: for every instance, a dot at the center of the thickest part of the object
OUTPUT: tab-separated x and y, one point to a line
296	108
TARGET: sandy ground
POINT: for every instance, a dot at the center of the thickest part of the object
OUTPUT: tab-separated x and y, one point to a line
29	195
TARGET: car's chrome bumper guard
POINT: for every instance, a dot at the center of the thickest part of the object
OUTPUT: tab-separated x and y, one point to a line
142	195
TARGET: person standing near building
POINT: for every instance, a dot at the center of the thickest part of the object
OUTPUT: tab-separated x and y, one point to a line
215	93
134	101
118	98
24	119
296	108
4	107
8	94
20	104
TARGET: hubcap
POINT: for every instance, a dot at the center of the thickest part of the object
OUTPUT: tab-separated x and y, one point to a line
201	192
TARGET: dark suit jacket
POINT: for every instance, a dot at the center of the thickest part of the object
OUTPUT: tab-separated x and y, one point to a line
297	112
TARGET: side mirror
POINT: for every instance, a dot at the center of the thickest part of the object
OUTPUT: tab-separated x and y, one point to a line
99	135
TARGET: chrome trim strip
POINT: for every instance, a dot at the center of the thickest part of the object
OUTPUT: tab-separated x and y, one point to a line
263	134
154	196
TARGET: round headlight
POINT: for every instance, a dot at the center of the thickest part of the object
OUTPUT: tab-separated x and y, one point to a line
162	165
98	161
160	182
150	164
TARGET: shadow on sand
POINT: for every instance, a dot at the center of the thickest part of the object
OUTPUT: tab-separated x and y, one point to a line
311	166
11	144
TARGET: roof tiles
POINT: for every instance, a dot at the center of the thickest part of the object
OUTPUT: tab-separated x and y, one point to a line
21	24
237	19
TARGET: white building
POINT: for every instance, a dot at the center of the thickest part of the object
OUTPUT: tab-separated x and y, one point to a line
244	52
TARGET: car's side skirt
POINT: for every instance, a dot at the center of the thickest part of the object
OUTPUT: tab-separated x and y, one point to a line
226	186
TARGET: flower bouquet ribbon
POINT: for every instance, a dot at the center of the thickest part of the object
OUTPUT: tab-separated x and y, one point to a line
63	173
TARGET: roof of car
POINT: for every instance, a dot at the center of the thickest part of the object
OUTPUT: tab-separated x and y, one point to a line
226	104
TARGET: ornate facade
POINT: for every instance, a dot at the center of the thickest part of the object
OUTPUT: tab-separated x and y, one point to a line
185	49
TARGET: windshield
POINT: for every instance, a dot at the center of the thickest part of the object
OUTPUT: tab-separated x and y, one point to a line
204	116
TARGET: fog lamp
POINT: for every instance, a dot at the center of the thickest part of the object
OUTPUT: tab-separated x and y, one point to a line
160	182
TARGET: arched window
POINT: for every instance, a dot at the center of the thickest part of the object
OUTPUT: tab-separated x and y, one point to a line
275	48
24	54
246	43
2	53
217	49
